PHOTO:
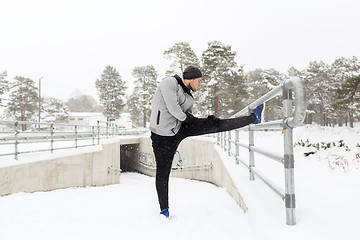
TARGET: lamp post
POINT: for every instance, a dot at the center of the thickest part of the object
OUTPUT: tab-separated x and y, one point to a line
39	102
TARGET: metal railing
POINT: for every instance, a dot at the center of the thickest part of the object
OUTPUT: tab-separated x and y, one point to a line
288	122
21	137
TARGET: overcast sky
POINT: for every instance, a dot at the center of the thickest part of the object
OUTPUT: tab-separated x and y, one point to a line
70	42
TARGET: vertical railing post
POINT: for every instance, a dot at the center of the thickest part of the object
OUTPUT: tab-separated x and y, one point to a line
51	137
107	130
98	132
224	141
251	154
76	136
229	143
237	153
16	140
289	160
93	135
221	139
218	138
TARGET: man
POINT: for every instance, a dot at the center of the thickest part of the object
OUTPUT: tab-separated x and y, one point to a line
172	121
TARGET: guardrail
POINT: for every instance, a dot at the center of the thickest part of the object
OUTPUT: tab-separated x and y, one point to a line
38	137
288	122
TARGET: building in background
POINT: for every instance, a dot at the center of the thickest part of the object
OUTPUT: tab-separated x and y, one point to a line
85	118
92	118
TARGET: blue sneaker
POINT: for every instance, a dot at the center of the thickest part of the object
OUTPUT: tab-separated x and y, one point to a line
258	111
165	212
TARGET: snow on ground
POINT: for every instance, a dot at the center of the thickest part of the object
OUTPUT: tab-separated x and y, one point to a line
327	186
327	195
128	210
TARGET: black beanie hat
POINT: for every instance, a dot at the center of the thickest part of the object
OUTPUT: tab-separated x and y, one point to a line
192	72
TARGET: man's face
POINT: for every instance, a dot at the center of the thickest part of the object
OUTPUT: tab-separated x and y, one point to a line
195	84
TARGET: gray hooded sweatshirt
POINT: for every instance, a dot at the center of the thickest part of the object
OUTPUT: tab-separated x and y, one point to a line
169	107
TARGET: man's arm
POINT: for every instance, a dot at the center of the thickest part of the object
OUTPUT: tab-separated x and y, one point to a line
169	89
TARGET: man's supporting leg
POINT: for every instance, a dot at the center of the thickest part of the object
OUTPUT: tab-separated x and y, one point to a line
164	149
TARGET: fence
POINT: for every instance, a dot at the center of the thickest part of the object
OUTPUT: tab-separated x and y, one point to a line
287	124
38	137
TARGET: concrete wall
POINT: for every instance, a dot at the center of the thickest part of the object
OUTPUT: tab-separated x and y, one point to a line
77	170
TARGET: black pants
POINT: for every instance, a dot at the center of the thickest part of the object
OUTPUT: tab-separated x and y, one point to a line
164	147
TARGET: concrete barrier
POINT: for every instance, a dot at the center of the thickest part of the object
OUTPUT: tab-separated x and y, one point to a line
76	169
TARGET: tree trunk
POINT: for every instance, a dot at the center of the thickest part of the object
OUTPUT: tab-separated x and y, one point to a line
144	119
351	119
218	107
346	121
309	118
340	121
23	118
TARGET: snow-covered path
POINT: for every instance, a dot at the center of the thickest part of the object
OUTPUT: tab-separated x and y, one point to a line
128	210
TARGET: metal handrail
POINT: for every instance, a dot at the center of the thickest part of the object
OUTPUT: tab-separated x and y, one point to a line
288	122
76	134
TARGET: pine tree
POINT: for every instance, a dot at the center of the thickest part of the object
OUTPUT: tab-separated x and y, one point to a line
341	70
260	82
347	96
133	104
4	85
345	68
222	79
54	110
111	92
182	55
237	96
23	99
293	72
140	100
319	85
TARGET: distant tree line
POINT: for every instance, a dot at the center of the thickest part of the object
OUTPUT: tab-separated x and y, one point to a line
23	102
333	90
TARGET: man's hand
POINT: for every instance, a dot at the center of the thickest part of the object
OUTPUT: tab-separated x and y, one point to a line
189	118
214	119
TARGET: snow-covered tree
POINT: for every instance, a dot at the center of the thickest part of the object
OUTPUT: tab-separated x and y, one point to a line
260	82
4	85
347	96
343	71
134	109
140	101
53	110
181	55
23	99
345	68
320	90
82	103
293	72
222	80
111	90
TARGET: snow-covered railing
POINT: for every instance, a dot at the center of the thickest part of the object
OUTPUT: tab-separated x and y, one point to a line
39	137
288	122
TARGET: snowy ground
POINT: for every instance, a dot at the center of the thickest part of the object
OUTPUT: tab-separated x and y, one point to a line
327	201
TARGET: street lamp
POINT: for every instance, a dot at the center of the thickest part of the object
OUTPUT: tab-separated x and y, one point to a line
39	101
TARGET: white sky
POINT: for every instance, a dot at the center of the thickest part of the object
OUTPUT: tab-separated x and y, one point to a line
70	42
